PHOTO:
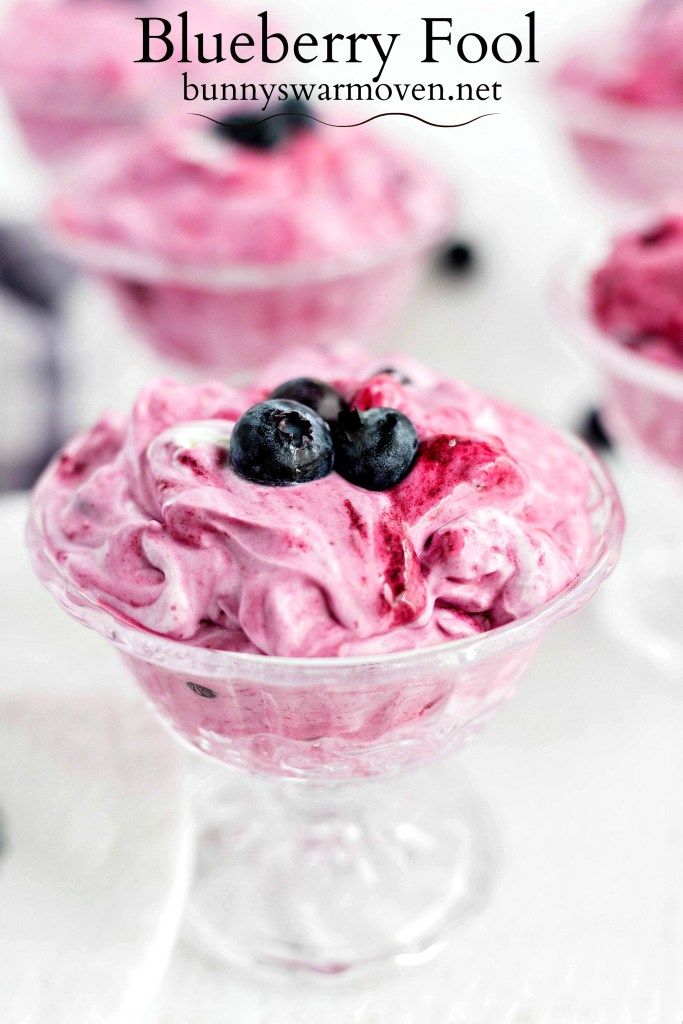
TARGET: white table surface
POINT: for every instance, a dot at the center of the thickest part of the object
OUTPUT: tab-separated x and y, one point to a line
584	770
96	840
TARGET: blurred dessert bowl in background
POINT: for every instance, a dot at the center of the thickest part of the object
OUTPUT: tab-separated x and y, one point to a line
69	70
624	300
621	302
619	97
228	238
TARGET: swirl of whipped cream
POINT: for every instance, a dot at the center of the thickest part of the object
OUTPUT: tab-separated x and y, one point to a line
146	516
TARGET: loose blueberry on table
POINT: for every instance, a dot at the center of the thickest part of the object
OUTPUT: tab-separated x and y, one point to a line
592	431
306	429
457	257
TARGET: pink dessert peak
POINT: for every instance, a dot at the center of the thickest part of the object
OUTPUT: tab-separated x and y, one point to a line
147	516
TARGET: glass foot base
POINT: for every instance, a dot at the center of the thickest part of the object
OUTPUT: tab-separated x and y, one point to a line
645	601
328	878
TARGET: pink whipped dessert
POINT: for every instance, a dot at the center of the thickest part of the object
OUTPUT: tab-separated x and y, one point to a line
637	293
621	93
68	69
635	304
163	521
226	242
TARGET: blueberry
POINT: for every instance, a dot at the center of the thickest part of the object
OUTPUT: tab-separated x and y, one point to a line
252	130
375	449
265	130
298	113
315	394
592	431
30	271
280	443
457	258
391	371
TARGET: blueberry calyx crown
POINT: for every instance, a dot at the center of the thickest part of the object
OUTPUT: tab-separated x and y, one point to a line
266	131
280	443
305	429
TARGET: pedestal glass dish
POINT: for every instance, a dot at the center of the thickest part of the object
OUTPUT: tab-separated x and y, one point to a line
642	407
318	848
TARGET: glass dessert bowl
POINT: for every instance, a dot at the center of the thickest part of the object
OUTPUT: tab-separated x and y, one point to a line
641	380
619	101
69	72
632	156
324	847
224	244
63	93
235	319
